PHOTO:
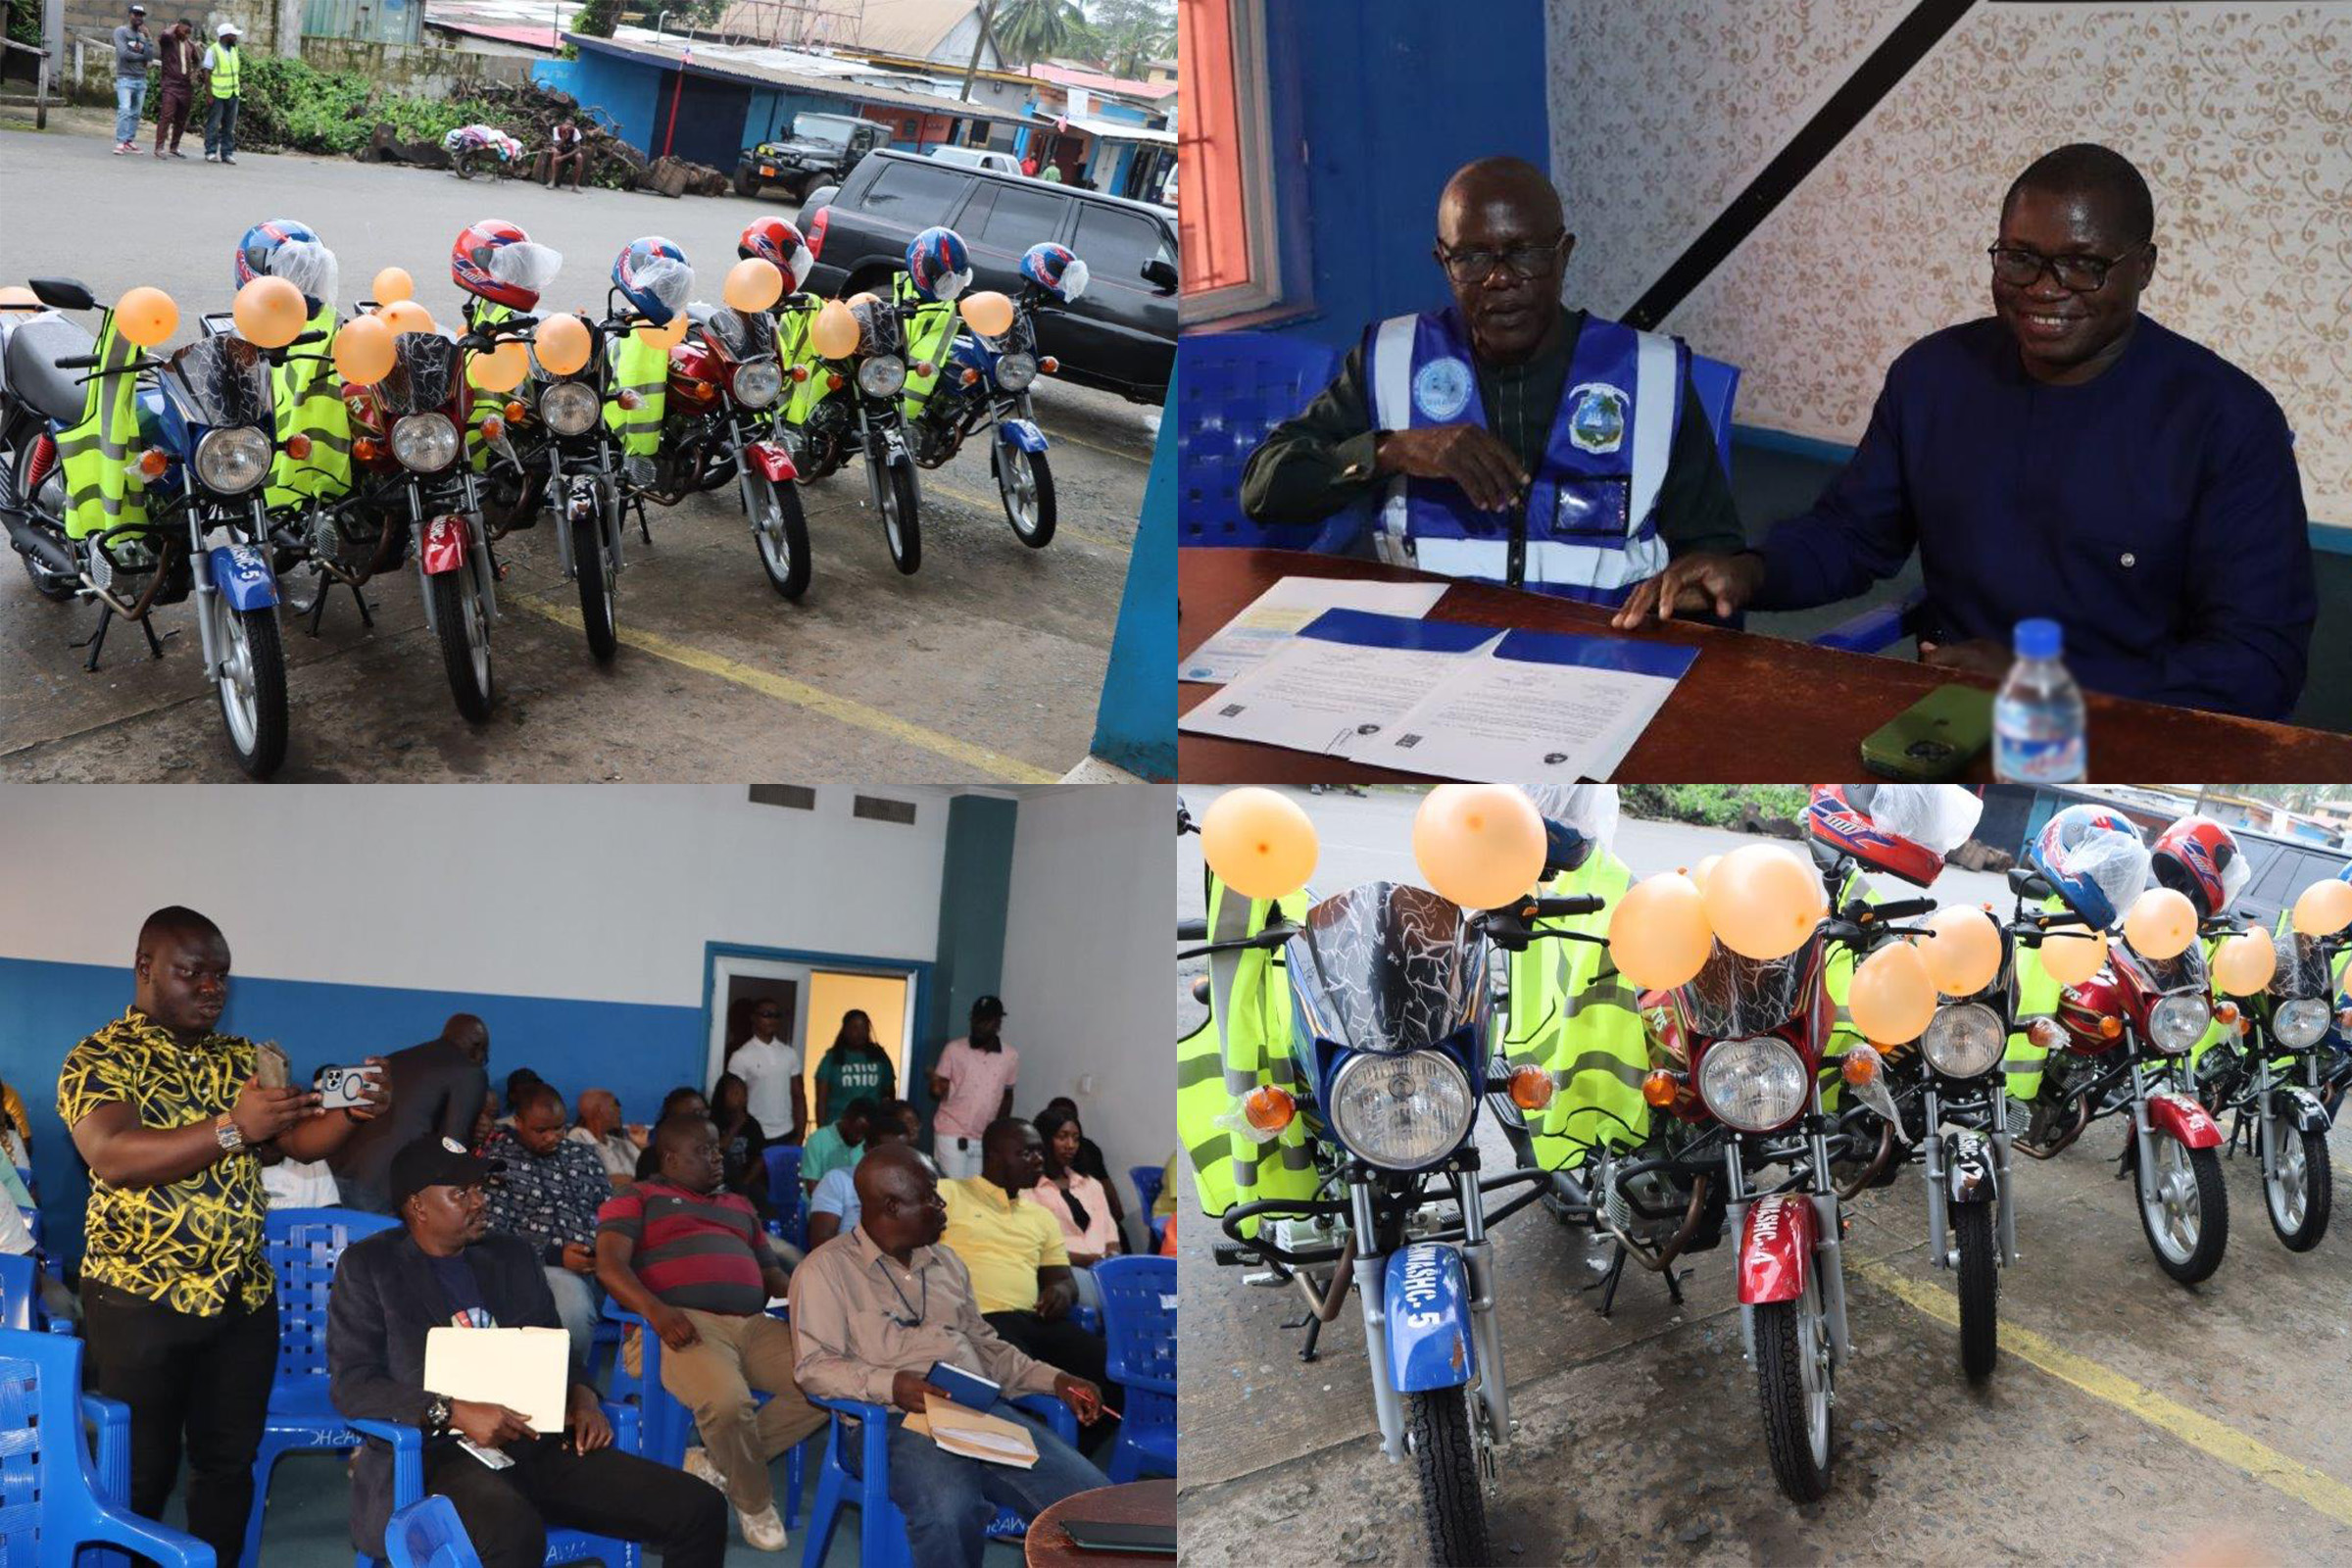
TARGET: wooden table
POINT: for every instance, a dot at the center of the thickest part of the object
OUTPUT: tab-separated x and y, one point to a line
1138	1503
1752	707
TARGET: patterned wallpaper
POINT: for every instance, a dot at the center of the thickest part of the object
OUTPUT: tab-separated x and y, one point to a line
2239	116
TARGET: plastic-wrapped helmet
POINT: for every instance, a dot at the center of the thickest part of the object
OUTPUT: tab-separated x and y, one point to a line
1579	820
653	275
287	249
2200	857
1055	268
496	260
777	241
2094	858
1904	830
938	264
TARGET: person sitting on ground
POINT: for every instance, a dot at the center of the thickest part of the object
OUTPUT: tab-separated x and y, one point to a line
742	1142
833	1207
681	1101
838	1145
615	1142
876	1309
552	1191
1075	1200
854	1066
390	1291
565	150
691	1260
1090	1162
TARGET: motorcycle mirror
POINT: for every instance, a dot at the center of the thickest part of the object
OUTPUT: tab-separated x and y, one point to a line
62	293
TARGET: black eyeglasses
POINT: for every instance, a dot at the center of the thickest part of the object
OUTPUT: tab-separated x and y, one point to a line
1475	264
2079	274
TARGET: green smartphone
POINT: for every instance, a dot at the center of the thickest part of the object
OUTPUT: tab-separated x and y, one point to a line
1934	739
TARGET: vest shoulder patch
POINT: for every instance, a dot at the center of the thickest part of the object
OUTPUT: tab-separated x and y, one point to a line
1598	422
1441	389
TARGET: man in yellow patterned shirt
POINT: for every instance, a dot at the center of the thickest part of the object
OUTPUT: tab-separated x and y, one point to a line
180	1308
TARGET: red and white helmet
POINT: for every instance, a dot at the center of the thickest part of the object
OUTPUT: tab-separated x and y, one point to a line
496	261
777	241
1904	830
2200	857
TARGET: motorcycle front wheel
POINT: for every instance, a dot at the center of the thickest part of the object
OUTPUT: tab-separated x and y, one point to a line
465	631
1794	1377
1454	1501
1025	484
2301	1190
894	493
781	530
593	505
252	687
2185	1209
1980	1290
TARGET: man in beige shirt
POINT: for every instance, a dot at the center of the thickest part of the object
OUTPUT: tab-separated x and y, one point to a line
874	1308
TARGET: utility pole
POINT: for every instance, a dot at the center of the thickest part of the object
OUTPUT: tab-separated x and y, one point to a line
978	44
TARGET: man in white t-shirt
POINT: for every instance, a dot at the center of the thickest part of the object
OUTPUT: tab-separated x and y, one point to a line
770	1069
973	1082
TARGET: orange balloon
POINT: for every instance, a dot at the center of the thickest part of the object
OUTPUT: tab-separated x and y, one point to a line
988	313
17	297
2324	908
1258	843
394	283
2161	923
1892	998
1704	870
2070	954
270	312
406	316
752	284
362	351
146	315
2244	964
834	333
1480	845
502	369
1763	901
866	297
561	344
1658	935
666	337
1964	953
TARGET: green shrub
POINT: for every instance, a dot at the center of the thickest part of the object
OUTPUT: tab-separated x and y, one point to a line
1711	805
290	105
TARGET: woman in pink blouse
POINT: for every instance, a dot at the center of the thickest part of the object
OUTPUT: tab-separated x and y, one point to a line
1077	1201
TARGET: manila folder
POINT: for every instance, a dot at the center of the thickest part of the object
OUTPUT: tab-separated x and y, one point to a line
522	1369
975	1435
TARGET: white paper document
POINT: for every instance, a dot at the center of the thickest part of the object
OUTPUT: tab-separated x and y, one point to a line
1278	613
522	1369
1448	700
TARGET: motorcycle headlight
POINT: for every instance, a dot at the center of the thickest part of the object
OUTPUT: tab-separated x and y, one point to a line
882	375
568	406
2179	1023
1014	371
231	462
1403	1111
1753	1085
1963	1039
2298	1026
425	442
757	384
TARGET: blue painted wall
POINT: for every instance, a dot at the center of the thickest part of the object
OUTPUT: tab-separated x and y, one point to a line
975	889
625	90
1135	722
638	1052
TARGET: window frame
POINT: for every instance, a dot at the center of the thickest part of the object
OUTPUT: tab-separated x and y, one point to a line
1266	292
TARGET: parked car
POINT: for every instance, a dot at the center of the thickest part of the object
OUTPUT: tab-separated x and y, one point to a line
988	158
1120	336
2281	868
818	150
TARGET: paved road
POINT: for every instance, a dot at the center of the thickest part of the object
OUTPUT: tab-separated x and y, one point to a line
1639	1438
985	664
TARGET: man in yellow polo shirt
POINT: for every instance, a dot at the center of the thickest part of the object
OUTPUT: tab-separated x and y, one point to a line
1011	1245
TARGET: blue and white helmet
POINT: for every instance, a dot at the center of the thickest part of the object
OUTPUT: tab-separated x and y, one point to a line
284	248
1055	268
653	276
939	265
2095	860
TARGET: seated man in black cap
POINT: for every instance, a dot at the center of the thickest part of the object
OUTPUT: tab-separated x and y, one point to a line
441	1269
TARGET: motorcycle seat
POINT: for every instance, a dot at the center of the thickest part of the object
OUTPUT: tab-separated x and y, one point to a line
33	350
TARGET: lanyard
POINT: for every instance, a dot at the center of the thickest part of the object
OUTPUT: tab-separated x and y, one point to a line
916	1321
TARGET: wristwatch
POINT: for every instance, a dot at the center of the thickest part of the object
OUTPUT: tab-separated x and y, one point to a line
436	1414
231	1137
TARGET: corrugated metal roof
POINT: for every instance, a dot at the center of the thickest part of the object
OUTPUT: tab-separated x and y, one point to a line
912	27
1095	82
772	68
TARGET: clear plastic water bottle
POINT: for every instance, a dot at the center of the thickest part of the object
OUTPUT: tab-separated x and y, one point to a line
2037	720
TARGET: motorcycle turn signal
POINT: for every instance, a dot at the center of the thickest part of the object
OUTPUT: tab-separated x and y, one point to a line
1269	1109
1659	1088
298	446
1531	1088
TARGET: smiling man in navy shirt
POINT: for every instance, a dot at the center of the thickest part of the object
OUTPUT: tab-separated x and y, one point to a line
2065	458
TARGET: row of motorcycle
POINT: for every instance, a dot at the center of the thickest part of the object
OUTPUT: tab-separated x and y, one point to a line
137	477
1806	1040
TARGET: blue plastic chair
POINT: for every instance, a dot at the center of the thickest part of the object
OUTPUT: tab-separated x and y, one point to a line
785	1194
304	1247
52	1499
670	1425
1139	1322
20	1297
1718	388
1147	1187
881	1527
429	1535
1234	388
563	1546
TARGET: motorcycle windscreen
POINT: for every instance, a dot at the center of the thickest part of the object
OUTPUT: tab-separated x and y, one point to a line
222	382
2303	966
1733	996
1386	967
425	366
2184	971
742	334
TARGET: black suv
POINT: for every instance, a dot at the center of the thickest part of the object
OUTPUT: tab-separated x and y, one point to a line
818	150
1120	336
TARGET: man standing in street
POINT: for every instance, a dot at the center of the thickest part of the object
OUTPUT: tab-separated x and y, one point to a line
180	1306
179	88
223	66
437	1088
134	52
973	1082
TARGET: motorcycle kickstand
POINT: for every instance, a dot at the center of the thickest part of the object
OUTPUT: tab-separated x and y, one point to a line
1608	1283
1314	1331
360	598
95	642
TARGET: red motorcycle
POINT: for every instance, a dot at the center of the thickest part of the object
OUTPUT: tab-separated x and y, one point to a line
2128	1032
724	381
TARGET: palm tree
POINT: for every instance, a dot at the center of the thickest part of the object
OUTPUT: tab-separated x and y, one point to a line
1028	30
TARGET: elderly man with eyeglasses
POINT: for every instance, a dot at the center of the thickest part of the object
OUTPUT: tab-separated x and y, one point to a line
1509	438
2065	458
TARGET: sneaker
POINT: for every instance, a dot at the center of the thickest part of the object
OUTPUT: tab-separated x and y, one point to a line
211	157
224	158
762	1531
698	1464
176	153
121	148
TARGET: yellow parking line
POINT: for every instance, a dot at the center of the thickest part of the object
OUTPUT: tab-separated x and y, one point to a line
991	506
803	695
2315	1488
1095	446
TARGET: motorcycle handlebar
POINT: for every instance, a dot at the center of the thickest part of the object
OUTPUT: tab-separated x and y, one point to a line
79	361
1192	930
1895	909
1560	909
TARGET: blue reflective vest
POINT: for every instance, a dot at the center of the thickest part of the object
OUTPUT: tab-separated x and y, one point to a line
1591	511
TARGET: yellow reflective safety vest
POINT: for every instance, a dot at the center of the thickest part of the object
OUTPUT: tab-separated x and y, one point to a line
929	335
308	397
94	456
633	365
228	65
481	315
1244	1044
2036	997
793	348
1573	1015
